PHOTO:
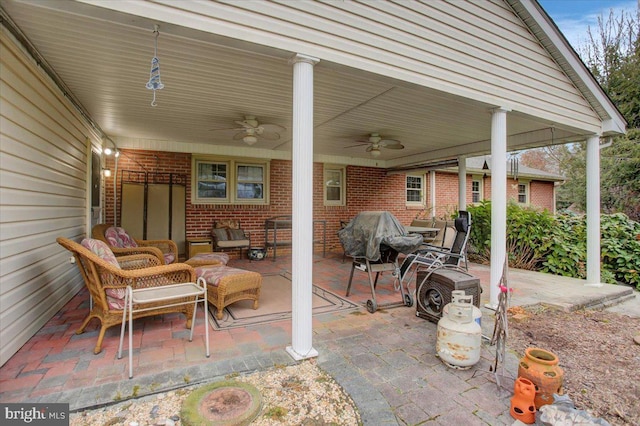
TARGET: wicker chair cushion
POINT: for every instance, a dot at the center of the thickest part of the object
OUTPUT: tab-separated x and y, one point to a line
100	249
214	257
220	234
169	258
236	234
213	274
118	237
115	296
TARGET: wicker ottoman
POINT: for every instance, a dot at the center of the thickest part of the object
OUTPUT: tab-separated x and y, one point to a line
226	285
204	259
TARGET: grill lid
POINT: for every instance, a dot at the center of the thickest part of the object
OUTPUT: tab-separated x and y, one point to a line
364	235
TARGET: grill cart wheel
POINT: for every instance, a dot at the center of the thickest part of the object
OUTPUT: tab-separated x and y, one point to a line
408	300
372	306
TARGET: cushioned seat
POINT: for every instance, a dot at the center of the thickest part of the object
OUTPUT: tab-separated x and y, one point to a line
228	234
122	244
226	285
204	259
107	278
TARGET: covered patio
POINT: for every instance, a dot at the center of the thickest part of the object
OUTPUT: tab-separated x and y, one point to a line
386	361
447	79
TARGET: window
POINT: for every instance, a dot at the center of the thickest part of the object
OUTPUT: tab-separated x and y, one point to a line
523	193
250	182
334	189
476	191
415	190
229	181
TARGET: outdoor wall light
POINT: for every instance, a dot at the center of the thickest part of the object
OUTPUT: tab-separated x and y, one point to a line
106	172
109	151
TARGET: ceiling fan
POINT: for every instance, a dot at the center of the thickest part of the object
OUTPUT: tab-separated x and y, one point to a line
250	130
375	142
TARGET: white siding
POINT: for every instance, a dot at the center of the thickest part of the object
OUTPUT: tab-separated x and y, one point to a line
43	195
477	49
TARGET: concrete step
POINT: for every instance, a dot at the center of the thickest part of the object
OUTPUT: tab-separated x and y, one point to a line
609	300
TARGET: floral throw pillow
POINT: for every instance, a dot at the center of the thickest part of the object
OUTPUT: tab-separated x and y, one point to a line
118	237
100	249
126	239
115	296
111	234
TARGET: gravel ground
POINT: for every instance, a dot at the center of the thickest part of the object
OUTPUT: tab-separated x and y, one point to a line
301	394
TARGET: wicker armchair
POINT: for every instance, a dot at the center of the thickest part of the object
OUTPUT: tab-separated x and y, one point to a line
107	277
165	250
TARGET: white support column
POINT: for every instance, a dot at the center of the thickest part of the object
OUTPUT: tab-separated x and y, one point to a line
302	218
593	211
432	192
498	201
462	183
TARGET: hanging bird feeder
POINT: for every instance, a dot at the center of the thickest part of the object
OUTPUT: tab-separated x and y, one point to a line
154	82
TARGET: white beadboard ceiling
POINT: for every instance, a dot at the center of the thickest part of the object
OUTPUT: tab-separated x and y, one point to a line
211	82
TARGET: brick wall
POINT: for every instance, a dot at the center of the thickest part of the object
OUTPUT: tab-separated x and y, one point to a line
366	189
541	195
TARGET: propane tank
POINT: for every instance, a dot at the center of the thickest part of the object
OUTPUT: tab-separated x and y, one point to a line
459	336
477	313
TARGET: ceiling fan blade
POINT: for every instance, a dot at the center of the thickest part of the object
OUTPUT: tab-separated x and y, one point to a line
230	129
244	124
394	146
270	136
239	135
391	144
272	128
369	148
359	144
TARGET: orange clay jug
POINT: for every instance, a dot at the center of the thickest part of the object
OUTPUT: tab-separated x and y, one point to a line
541	368
522	405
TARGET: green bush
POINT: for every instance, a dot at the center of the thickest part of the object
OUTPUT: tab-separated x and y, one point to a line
568	253
558	244
528	237
480	236
620	248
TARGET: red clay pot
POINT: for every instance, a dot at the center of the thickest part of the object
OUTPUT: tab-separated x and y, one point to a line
541	368
522	405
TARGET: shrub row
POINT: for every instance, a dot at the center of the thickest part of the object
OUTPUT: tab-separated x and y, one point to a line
539	241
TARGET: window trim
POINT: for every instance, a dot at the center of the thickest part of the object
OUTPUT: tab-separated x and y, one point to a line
232	180
343	186
480	189
527	193
422	190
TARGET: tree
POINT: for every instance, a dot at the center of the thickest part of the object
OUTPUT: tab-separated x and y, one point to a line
612	54
620	175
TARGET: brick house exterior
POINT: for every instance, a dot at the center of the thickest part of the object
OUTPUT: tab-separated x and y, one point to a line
367	188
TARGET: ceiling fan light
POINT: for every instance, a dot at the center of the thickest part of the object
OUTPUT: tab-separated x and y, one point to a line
249	139
375	152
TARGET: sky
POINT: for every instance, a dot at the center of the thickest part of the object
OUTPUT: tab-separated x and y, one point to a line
574	17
